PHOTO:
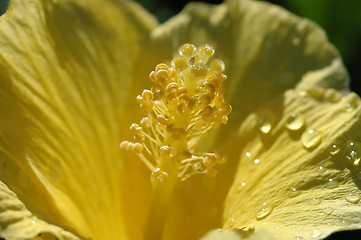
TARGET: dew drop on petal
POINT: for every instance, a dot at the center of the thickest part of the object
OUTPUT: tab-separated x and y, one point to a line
353	152
264	211
352	104
345	222
293	192
314	201
334	149
243	184
248	154
256	161
328	210
265	126
321	169
265	121
295	122
232	223
311	138
331	184
353	197
316	233
299	238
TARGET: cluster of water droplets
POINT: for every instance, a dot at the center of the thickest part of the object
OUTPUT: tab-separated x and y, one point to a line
310	139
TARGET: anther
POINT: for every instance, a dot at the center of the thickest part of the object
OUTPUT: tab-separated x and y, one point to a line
207	114
211	172
145	122
162	66
209	161
220	159
147	95
226	109
172	87
162	120
137	147
205	98
162	74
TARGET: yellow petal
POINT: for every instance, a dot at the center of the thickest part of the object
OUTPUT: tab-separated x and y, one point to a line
17	222
238	234
65	70
301	178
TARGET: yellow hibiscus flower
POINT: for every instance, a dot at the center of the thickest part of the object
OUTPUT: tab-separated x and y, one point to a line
70	72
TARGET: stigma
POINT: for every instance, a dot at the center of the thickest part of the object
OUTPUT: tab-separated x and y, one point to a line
184	103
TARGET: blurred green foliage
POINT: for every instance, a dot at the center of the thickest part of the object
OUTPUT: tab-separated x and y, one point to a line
342	22
3	6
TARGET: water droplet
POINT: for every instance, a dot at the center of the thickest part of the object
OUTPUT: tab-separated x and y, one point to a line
321	169
334	149
264	211
352	103
345	222
353	197
159	175
314	201
316	233
256	161
248	154
293	192
232	222
328	210
299	238
353	150
311	138
33	222
302	93
332	184
243	184
265	121
296	41
265	126
295	122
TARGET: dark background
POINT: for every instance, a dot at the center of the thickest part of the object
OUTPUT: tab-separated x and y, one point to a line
340	19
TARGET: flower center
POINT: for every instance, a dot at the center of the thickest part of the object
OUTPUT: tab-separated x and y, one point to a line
184	103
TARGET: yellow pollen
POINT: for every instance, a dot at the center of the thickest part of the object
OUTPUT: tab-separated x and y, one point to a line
184	103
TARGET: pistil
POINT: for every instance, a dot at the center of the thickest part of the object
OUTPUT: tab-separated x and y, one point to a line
184	103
